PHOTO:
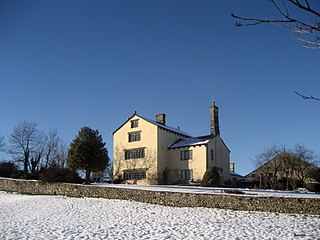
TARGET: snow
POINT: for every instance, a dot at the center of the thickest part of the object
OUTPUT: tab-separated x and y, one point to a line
189	142
58	217
214	190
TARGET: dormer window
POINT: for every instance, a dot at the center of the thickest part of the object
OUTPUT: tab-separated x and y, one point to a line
134	123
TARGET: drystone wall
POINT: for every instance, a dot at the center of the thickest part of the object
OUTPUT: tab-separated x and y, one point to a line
223	201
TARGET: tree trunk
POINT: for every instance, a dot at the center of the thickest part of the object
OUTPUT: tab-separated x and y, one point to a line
88	172
25	162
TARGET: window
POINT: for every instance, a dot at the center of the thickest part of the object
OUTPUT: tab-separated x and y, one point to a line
134	123
186	174
136	174
186	154
134	153
134	136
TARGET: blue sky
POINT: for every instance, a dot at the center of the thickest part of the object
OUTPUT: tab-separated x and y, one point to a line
75	63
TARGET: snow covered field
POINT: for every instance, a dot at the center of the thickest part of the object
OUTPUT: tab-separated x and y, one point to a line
57	217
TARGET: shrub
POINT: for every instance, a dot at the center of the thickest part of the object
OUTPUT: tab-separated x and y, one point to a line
117	180
313	187
233	191
227	182
57	174
8	169
211	178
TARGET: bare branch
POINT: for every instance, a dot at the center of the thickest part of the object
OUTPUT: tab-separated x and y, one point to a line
307	97
256	21
299	25
306	8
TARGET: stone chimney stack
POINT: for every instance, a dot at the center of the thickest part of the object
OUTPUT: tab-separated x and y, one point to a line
232	167
214	120
161	118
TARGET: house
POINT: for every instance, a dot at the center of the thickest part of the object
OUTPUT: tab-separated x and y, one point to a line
149	151
235	178
284	171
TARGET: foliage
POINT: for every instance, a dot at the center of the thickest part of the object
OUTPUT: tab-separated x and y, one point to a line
313	187
57	174
8	169
87	152
211	178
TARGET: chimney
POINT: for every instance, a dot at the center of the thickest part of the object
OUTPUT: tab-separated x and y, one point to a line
161	118
232	167
214	120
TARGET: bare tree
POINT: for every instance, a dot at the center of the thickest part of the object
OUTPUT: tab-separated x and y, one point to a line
2	144
304	163
280	168
118	161
51	151
37	155
25	141
268	169
148	163
60	158
302	17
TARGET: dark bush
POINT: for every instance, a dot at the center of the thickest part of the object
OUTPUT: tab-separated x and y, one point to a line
211	178
313	187
117	180
8	169
227	182
56	174
233	191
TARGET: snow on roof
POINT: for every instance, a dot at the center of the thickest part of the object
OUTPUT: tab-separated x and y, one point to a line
194	141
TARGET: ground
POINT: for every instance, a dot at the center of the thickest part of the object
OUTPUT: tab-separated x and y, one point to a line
58	217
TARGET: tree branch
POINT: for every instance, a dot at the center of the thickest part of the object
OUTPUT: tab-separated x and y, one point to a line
296	24
307	97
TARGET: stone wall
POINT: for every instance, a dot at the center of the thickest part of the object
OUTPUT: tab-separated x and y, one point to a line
224	201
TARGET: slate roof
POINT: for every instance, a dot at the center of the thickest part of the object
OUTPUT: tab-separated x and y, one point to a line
165	127
172	129
235	174
193	141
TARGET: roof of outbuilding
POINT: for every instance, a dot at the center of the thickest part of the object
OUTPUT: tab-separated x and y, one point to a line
235	174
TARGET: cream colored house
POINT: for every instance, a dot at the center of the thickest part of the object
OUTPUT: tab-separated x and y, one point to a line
150	152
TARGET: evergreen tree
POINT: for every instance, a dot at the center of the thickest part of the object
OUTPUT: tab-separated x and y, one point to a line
87	152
